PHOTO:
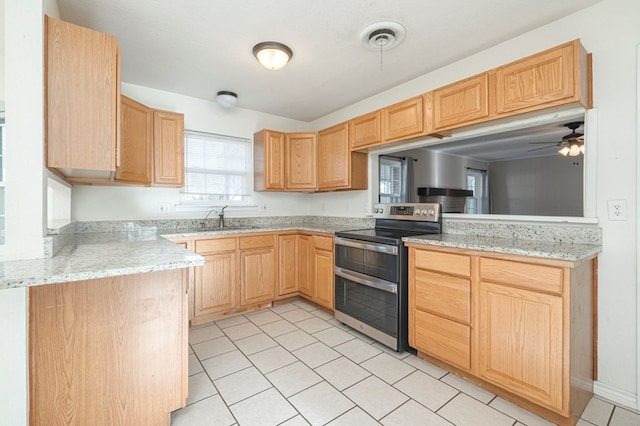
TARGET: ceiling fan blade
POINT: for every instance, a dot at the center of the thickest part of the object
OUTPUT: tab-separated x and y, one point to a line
538	149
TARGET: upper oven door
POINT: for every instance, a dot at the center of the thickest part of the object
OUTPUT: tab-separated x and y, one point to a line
373	259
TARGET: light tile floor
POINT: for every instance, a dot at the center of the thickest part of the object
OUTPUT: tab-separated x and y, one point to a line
293	364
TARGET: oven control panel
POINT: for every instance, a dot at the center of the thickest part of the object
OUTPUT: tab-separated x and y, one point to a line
429	212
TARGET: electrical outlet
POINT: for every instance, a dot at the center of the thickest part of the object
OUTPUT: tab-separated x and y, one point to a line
165	208
617	209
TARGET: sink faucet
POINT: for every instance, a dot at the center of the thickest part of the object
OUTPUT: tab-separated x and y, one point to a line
221	216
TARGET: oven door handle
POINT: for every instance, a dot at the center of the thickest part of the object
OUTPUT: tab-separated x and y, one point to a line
366	280
380	248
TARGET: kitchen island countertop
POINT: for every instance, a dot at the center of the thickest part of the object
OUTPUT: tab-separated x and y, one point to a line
545	249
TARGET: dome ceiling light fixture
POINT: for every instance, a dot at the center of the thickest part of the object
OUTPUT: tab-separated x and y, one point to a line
272	55
226	98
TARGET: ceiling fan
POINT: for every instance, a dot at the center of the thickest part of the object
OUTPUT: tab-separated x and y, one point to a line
571	144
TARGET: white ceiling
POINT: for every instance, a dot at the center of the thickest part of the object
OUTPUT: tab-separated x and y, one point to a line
198	47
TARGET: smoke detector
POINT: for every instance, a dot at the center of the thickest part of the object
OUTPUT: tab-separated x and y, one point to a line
382	35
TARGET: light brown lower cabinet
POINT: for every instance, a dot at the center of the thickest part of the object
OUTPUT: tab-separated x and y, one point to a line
305	254
109	351
522	327
215	282
258	269
288	268
322	271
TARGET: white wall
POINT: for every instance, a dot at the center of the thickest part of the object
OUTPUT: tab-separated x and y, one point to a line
611	32
550	186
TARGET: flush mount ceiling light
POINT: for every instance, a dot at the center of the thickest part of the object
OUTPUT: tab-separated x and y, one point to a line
227	99
382	35
272	55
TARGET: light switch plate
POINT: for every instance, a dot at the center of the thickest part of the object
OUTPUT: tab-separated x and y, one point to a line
617	209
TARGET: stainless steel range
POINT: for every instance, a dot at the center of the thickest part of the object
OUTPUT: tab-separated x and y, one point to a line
371	272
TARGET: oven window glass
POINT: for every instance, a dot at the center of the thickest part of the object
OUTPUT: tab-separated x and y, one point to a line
375	264
374	307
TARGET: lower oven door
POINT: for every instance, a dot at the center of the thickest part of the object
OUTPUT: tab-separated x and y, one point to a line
372	301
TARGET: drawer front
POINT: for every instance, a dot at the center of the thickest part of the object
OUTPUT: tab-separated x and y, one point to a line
323	243
456	264
443	295
525	275
257	242
444	339
217	245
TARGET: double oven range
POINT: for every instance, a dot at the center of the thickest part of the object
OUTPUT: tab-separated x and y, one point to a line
371	271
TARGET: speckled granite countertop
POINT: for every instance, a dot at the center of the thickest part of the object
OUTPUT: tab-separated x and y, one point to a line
189	233
102	255
546	249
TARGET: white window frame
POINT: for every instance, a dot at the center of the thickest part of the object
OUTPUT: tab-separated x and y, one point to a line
247	199
392	163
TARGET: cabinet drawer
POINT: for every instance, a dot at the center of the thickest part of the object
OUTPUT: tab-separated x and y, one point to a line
526	275
323	243
218	245
444	339
443	295
448	263
257	242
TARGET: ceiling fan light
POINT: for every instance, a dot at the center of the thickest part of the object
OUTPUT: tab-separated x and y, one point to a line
582	149
564	151
272	55
574	150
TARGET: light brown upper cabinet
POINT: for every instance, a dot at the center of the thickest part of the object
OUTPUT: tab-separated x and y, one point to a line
268	161
403	120
339	168
463	102
168	148
300	156
82	93
365	131
554	77
136	133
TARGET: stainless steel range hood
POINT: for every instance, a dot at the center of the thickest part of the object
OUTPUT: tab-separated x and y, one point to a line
452	200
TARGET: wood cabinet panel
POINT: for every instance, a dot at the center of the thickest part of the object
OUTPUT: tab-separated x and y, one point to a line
461	103
269	161
216	245
403	119
323	278
545	79
215	284
258	241
257	275
136	134
520	343
448	263
443	295
168	148
288	274
82	91
305	256
443	339
90	344
301	162
366	130
334	167
527	275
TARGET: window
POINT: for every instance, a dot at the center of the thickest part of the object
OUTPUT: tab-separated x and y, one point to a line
476	183
217	169
390	180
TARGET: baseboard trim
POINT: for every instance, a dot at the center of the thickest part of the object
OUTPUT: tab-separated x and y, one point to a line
615	395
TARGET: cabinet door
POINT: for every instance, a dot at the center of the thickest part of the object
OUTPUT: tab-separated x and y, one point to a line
215	284
257	275
547	77
301	161
135	142
305	253
461	103
403	120
323	277
334	157
168	149
287	264
520	347
82	90
269	161
366	130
